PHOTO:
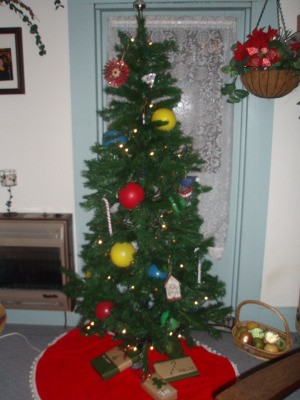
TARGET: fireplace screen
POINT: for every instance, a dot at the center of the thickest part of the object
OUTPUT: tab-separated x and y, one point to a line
33	250
30	268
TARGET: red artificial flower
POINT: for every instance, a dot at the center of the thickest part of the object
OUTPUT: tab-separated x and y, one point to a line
258	38
265	58
240	54
256	52
116	72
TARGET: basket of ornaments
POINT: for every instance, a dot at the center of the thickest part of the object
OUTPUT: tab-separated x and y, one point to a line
260	340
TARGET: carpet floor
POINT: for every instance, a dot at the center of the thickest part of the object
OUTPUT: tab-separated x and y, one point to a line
21	344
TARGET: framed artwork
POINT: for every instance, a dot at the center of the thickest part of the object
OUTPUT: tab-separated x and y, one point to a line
11	61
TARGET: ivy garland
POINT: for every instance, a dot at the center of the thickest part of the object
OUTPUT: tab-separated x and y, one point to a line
28	17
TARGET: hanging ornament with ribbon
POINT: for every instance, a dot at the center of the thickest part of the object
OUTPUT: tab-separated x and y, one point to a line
172	285
185	188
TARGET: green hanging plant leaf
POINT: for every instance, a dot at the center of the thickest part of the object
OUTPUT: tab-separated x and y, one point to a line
58	4
296	64
28	17
226	69
34	29
241	93
228	88
233	100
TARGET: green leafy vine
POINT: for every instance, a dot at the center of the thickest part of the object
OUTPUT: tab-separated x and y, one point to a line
28	17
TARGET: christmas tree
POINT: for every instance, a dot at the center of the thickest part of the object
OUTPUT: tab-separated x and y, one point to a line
146	272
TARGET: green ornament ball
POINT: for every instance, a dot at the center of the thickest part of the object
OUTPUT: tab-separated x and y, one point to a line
173	347
171	323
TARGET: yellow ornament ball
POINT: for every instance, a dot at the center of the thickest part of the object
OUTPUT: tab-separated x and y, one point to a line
164	115
122	254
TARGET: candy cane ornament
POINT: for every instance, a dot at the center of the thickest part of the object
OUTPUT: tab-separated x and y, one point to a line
108	216
199	271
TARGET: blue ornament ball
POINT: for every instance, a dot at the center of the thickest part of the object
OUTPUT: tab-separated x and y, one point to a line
112	137
156	273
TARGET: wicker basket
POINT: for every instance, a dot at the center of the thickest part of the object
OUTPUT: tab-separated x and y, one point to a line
251	350
2	318
270	84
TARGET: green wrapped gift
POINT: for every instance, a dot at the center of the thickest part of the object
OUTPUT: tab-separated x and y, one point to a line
114	361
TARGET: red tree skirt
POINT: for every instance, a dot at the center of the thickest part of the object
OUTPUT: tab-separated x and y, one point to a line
64	372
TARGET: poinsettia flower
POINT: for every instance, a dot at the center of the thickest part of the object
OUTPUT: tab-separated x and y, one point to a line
264	58
252	50
240	54
259	38
255	52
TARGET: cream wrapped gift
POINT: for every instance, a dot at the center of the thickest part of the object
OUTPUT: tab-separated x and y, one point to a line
158	388
176	368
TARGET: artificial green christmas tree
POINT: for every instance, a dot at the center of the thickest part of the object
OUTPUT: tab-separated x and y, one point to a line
146	275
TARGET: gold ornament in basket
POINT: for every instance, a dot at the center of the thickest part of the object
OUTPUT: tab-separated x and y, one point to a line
268	332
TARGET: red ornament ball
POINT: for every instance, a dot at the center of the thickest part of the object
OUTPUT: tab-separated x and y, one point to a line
131	195
116	72
103	309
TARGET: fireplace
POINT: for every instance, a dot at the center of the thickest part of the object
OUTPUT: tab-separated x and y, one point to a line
33	248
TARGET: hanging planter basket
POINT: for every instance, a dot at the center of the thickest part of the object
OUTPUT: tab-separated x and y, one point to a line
271	58
270	84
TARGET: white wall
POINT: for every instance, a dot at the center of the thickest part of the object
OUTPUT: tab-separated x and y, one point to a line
281	277
36	140
36	126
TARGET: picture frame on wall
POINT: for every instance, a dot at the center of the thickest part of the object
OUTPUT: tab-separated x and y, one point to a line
11	61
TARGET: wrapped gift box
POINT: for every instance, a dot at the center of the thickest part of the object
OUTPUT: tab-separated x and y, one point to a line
159	388
114	361
176	369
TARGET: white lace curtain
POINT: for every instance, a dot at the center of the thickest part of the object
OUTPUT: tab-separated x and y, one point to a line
203	48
